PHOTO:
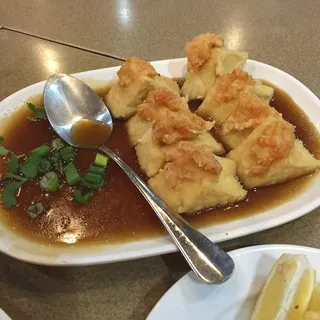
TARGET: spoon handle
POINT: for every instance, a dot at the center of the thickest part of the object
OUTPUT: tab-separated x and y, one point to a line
206	259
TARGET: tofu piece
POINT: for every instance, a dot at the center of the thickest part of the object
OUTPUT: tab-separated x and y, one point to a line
165	82
202	56
271	154
137	128
204	189
250	112
223	97
206	59
262	91
156	103
230	60
151	154
135	81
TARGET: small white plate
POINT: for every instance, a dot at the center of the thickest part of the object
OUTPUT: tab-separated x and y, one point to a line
27	250
189	299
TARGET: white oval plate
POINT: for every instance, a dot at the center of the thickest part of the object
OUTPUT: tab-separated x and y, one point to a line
27	250
189	299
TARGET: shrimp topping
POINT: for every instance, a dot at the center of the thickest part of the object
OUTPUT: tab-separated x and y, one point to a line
171	118
230	85
199	49
189	162
249	113
275	143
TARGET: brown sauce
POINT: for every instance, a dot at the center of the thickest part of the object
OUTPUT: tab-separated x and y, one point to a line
90	133
118	212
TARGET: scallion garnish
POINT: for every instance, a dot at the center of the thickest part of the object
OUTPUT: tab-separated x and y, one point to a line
35	210
44	165
58	144
97	170
30	168
71	174
3	150
101	160
68	154
79	198
9	194
13	164
10	175
41	151
39	113
49	182
93	178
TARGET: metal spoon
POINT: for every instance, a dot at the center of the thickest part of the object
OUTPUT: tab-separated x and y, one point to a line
67	101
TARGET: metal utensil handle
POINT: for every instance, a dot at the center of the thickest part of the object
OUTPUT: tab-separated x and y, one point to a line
207	260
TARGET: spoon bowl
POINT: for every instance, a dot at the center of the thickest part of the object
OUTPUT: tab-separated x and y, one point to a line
70	102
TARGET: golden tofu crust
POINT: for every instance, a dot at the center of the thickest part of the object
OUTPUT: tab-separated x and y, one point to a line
133	69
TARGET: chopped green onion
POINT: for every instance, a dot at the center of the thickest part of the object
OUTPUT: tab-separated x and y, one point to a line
57	162
79	198
13	164
44	166
3	151
35	210
49	182
68	154
9	194
30	168
72	174
101	160
42	150
96	170
57	144
92	178
10	175
92	185
39	113
1	140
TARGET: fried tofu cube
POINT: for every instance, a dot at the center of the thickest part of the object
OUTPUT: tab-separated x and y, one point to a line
151	153
230	60
206	60
223	97
202	62
136	79
250	112
271	154
137	128
156	102
165	82
195	179
262	91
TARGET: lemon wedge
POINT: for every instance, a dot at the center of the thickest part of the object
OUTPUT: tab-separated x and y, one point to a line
287	291
315	299
313	312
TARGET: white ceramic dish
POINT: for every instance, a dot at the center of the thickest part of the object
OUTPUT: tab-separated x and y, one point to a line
24	249
189	299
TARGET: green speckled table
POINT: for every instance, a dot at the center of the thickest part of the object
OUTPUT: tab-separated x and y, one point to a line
40	37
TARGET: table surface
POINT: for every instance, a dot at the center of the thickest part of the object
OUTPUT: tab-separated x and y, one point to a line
40	37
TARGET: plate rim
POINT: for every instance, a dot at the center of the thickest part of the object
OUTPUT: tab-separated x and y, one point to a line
236	253
165	246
